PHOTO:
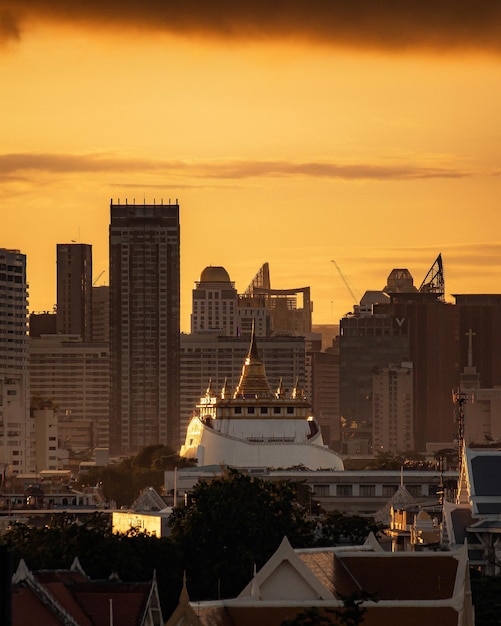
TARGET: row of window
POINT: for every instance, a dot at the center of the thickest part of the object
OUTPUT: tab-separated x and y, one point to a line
263	410
366	491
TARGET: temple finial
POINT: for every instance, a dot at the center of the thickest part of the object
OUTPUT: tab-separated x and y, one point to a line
209	392
253	352
253	381
279	393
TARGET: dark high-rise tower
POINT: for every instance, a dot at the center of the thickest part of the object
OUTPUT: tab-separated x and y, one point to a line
74	289
144	326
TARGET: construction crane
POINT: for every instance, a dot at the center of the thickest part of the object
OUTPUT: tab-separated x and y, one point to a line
345	281
97	278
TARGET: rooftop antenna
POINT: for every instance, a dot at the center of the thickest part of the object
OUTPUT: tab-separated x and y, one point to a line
459	400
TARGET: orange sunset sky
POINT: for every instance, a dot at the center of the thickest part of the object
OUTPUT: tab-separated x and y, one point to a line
290	132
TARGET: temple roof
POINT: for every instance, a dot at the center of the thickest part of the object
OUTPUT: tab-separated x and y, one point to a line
253	382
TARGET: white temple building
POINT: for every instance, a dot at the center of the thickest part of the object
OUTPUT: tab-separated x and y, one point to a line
256	427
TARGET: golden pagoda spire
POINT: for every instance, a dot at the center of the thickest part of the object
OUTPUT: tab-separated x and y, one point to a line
253	382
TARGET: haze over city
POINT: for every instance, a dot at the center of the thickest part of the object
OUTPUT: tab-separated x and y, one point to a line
293	139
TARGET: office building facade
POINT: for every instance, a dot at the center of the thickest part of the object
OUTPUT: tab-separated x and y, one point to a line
144	326
74	376
392	400
17	442
215	303
74	289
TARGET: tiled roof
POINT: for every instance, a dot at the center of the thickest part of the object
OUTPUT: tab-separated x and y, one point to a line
46	598
322	566
127	602
275	615
25	605
404	577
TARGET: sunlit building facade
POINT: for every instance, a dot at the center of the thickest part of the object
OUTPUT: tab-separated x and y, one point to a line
215	303
144	326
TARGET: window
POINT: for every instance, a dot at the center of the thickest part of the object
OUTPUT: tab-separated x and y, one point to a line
320	490
367	491
345	490
389	490
414	490
250	410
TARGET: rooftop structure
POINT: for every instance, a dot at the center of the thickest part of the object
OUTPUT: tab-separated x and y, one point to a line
290	309
256	426
400	588
215	303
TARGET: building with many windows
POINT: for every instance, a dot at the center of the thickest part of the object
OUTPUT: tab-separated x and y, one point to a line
74	289
144	326
73	375
215	303
392	400
17	451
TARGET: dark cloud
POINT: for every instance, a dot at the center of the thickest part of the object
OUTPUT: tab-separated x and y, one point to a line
9	26
387	24
15	164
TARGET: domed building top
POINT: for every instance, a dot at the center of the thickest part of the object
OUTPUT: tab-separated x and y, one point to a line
214	274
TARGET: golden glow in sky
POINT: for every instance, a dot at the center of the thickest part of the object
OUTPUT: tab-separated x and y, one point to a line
293	139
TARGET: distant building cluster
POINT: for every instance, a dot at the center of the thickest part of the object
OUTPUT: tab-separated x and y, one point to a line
109	369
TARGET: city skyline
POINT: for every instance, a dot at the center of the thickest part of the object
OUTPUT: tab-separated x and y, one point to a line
323	136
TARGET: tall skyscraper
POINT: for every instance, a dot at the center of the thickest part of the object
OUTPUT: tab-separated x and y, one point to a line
74	289
17	452
144	326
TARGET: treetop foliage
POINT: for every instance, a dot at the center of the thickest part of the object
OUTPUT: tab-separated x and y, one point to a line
123	481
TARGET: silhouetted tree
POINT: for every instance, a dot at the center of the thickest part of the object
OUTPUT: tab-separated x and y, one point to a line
232	524
133	557
123	481
336	527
